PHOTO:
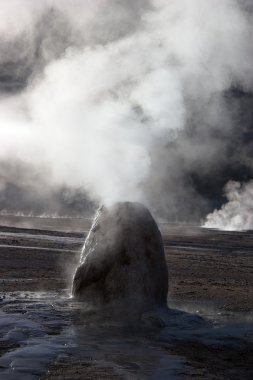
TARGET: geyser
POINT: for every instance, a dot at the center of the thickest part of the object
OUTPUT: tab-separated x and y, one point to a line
123	261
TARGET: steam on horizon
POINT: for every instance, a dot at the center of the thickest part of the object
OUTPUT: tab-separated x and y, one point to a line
105	101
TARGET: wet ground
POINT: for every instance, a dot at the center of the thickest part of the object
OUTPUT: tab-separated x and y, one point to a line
43	333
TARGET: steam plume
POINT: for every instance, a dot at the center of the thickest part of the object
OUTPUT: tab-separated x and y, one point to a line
129	100
237	213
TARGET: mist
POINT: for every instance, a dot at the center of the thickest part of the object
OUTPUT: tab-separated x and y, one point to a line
144	101
237	213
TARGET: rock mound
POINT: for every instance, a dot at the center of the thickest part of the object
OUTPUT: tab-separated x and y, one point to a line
123	260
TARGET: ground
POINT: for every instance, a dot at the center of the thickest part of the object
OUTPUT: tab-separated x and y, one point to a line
207	268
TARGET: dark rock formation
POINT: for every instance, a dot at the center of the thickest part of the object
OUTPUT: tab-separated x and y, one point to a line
123	261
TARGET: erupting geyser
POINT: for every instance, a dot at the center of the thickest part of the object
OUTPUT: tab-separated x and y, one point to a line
123	261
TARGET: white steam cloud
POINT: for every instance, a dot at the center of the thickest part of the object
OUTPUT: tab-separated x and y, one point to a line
99	110
237	213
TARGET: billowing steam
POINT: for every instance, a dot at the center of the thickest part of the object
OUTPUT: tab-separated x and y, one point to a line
237	213
128	100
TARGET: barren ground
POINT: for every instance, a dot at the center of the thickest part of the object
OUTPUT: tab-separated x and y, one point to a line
208	270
